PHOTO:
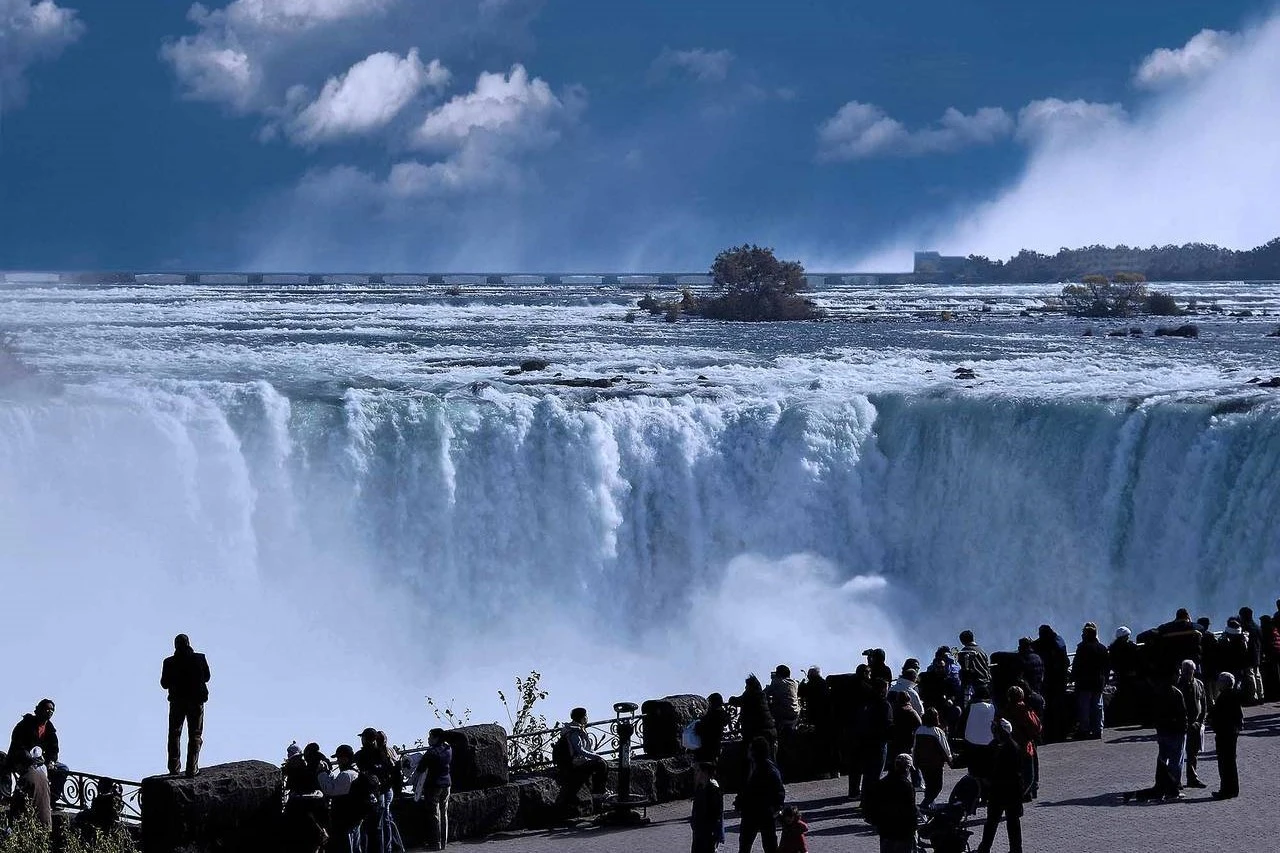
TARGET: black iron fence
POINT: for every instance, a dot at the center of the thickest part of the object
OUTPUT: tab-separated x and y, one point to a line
79	790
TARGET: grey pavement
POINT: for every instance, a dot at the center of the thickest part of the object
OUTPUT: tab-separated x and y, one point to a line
1080	806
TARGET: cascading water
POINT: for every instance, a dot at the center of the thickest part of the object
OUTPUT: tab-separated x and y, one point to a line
341	548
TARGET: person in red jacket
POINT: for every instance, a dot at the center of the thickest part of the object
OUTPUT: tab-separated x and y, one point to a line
793	832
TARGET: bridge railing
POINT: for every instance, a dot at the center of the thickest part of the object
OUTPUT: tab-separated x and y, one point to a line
79	790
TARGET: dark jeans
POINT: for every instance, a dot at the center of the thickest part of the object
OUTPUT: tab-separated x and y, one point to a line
754	824
1013	822
932	782
193	716
1195	741
573	776
1228	773
873	758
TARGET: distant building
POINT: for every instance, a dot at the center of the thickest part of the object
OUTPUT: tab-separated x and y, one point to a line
933	263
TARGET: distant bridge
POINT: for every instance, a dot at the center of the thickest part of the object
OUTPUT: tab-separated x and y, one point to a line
630	280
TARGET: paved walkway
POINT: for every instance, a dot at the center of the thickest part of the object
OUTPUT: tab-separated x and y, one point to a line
1079	809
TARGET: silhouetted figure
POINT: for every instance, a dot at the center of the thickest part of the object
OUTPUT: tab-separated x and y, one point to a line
350	801
1211	651
1171	738
33	759
890	806
760	800
1027	733
931	752
377	768
905	723
816	709
876	663
1032	665
185	675
1253	688
849	699
975	666
1234	656
1089	672
1227	719
874	729
754	716
305	809
941	681
1179	640
1005	790
783	694
1270	639
576	763
1124	657
1197	704
1052	650
710	729
432	782
706	818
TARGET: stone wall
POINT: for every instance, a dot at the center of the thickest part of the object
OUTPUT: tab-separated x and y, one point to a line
229	807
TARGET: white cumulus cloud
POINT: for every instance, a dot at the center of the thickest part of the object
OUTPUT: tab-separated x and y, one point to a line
31	32
1204	52
519	109
859	130
705	66
367	97
228	59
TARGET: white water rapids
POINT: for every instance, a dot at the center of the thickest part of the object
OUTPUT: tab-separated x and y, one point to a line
348	505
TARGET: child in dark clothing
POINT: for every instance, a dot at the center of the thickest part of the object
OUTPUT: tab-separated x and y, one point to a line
707	818
793	830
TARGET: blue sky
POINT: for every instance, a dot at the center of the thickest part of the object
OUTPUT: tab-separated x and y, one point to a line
576	135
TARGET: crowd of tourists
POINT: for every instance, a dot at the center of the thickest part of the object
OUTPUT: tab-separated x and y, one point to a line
893	736
890	736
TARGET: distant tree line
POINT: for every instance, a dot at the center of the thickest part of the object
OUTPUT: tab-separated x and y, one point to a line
1190	262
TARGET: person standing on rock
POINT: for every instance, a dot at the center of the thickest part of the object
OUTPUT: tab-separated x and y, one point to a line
186	676
1227	719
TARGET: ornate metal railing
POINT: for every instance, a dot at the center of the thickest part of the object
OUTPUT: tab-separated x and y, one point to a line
531	752
79	790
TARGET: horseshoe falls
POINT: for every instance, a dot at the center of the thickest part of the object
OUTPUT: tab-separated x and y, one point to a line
351	497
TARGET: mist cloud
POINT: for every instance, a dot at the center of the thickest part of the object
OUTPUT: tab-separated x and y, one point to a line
31	32
1201	54
1196	162
860	130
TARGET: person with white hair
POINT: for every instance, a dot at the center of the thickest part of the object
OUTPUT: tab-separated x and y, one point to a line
1227	720
1193	696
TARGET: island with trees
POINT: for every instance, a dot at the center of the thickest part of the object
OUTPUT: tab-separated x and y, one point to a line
750	283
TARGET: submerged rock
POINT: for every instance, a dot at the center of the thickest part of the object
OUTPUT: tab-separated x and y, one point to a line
1187	331
532	364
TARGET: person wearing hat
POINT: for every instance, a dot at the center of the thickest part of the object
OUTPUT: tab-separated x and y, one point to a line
375	765
1125	659
346	809
879	669
783	694
1006	787
1089	671
891	807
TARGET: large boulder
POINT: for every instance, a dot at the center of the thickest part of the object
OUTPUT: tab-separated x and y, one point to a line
675	779
229	807
473	814
479	757
664	722
537	795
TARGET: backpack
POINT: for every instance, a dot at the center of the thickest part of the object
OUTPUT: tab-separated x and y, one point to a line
690	738
366	791
561	751
973	669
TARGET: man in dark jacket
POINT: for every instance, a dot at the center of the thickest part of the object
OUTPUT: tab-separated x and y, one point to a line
1089	671
1004	797
754	716
432	782
36	730
377	771
1179	640
1032	666
975	666
186	676
875	728
1253	687
760	800
892	808
849	696
1171	738
1193	696
1227	719
706	819
1124	658
1052	650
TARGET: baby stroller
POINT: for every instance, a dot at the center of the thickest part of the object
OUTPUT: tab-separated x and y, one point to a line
945	831
967	793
